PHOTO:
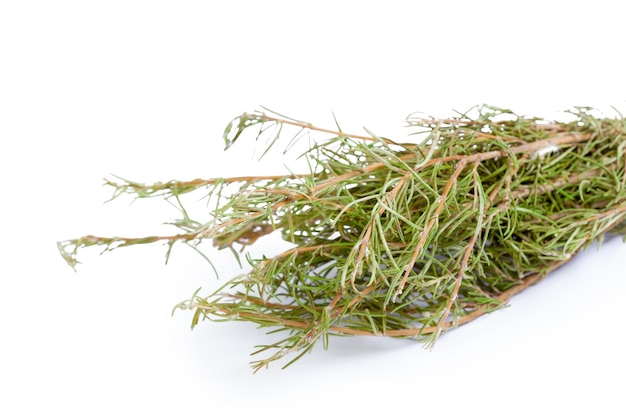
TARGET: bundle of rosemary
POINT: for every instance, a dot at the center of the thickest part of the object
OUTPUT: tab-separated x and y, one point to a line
402	239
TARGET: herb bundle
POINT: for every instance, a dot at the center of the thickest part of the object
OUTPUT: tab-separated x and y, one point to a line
401	239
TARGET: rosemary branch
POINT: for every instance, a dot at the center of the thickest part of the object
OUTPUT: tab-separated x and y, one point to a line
401	239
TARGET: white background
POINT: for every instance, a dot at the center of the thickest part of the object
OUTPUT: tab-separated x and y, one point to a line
144	89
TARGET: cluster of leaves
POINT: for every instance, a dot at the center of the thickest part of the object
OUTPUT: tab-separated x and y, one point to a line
403	239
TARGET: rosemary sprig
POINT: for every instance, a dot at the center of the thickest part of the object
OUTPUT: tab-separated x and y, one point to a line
401	239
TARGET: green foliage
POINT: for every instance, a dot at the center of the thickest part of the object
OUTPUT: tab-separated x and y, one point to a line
403	239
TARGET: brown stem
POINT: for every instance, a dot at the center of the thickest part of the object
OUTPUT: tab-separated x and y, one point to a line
525	191
309	126
431	222
462	266
409	332
199	182
364	243
91	240
559	140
